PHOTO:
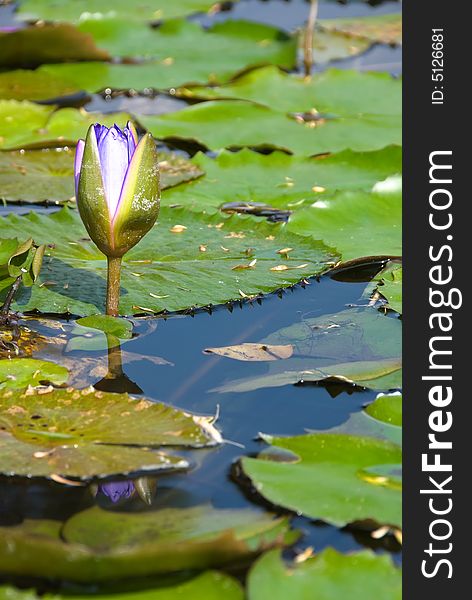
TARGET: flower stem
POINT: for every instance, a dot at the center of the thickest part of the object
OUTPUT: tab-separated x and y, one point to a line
308	38
113	285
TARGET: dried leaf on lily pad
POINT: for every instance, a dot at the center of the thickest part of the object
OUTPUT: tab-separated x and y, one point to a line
47	43
210	585
165	271
28	125
20	372
47	176
87	433
329	575
140	544
331	477
360	346
253	352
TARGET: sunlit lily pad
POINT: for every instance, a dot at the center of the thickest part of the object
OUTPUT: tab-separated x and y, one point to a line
387	408
280	180
77	10
210	585
347	94
237	123
148	543
21	372
27	125
177	53
99	332
47	43
34	85
325	479
383	29
360	346
389	284
170	268
48	175
356	223
328	575
88	433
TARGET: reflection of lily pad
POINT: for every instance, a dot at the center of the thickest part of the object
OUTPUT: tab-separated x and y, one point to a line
189	538
324	481
329	575
280	180
177	53
359	346
210	585
171	266
87	433
357	223
145	10
28	125
48	175
21	372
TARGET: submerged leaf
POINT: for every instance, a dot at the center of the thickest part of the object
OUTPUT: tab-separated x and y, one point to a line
253	352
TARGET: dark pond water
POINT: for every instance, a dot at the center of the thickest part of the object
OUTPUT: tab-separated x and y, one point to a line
181	339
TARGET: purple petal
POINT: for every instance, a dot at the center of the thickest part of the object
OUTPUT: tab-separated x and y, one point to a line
113	152
132	143
79	154
116	490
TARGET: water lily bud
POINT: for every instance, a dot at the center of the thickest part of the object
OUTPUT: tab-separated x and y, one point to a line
117	186
116	490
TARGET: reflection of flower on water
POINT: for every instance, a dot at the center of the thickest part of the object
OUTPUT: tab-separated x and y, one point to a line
144	487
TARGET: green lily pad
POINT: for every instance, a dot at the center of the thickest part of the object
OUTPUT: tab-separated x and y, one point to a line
170	268
77	10
329	575
88	433
21	372
325	480
27	125
344	94
20	261
188	538
280	180
387	408
330	45
359	346
178	53
99	332
237	123
210	585
356	223
47	43
34	85
39	176
382	29
389	283
382	419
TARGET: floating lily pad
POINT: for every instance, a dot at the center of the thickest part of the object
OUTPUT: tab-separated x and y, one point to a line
99	332
188	538
389	283
48	175
280	180
237	123
171	266
33	85
359	346
77	10
178	53
47	43
27	125
88	433
383	29
21	372
329	45
346	94
329	575
387	408
210	585
356	223
326	478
